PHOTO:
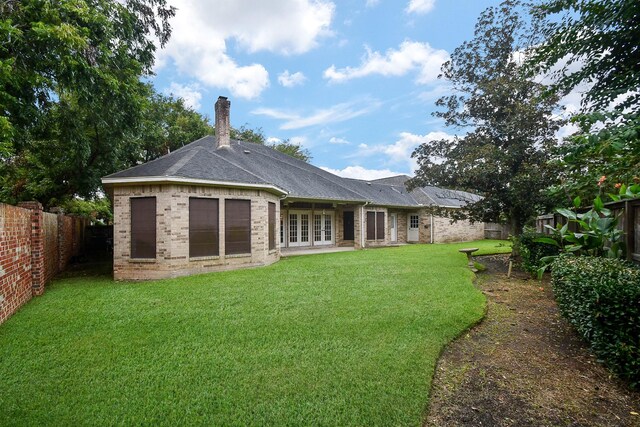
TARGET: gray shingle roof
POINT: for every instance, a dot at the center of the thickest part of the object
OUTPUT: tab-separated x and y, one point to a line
255	164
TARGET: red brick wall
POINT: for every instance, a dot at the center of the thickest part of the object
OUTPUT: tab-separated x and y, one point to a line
34	247
15	259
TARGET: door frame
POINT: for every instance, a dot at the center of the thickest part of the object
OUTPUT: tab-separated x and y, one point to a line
413	232
393	227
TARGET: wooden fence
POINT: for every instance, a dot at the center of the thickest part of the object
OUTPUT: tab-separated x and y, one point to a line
629	222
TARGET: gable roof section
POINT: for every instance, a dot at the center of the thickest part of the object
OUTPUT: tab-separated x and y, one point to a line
249	165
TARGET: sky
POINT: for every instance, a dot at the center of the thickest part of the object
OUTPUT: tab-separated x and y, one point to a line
354	82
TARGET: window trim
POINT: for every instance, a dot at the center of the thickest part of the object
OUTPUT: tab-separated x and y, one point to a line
133	253
216	241
227	216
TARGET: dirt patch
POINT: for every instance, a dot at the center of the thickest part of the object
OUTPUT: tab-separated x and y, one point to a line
524	365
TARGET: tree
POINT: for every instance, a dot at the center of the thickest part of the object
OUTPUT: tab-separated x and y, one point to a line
503	156
168	124
244	133
70	91
594	43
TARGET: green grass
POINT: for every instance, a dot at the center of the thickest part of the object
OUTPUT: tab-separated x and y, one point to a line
346	338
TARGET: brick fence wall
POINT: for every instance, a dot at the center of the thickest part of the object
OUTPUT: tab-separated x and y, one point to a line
34	246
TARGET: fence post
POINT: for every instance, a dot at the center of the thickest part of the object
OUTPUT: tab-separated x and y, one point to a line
37	247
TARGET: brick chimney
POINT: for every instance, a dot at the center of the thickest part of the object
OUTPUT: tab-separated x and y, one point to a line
223	128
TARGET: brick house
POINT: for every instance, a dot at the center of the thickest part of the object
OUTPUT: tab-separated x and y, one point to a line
218	204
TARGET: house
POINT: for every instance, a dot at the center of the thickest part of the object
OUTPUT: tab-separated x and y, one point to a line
218	204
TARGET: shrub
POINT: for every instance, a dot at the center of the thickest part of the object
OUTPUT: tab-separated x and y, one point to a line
601	298
531	252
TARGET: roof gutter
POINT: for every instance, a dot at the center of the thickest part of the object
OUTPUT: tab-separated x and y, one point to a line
191	181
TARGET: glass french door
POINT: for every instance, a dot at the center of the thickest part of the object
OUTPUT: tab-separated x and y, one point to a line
299	229
323	230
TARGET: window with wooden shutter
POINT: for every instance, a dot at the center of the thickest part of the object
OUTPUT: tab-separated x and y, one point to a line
380	225
143	227
272	226
371	225
203	227
237	233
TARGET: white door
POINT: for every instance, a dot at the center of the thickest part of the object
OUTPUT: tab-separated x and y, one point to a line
323	230
298	228
413	228
393	226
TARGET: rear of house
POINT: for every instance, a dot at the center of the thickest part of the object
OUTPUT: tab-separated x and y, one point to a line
218	204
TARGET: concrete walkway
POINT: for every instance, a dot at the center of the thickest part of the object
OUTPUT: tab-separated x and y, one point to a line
315	250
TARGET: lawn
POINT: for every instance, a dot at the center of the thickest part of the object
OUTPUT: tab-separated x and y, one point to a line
347	338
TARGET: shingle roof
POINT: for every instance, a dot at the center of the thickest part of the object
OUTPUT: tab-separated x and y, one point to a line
259	165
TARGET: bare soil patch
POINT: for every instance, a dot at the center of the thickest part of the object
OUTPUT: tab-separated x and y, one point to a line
524	365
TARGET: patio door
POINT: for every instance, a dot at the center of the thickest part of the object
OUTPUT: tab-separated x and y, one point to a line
299	228
413	228
393	227
323	230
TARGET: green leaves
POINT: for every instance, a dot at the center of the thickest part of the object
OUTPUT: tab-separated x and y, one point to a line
510	126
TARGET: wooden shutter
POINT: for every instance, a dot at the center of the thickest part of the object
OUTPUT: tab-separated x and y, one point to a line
237	233
143	227
272	226
371	225
380	225
203	227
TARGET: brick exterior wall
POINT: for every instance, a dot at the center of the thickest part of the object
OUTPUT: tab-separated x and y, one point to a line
172	232
15	259
31	251
462	231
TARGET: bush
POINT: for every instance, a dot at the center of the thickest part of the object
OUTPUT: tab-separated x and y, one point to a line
531	252
601	298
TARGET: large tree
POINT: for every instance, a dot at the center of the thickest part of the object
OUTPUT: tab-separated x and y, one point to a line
510	127
70	92
594	45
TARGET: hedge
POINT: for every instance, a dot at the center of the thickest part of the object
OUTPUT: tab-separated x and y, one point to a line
601	298
531	251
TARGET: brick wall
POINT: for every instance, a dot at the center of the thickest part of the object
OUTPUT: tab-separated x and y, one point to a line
172	232
31	252
15	259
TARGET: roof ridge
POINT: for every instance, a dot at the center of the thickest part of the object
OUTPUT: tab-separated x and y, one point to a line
240	167
314	170
180	163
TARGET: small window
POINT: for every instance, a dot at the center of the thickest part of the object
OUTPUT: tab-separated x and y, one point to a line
371	225
414	219
380	225
272	226
143	227
203	227
237	233
375	226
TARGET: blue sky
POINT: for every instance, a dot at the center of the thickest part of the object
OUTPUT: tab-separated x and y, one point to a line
352	81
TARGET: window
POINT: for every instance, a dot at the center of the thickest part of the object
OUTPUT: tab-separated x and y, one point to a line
375	225
413	221
272	226
203	227
143	227
237	233
380	225
371	226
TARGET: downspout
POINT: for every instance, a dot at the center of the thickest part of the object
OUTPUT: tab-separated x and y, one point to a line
431	228
362	241
284	222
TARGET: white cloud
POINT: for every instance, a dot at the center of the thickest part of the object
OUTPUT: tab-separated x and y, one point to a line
420	7
201	30
372	3
408	57
336	140
299	140
358	172
400	151
334	114
189	93
287	79
273	140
